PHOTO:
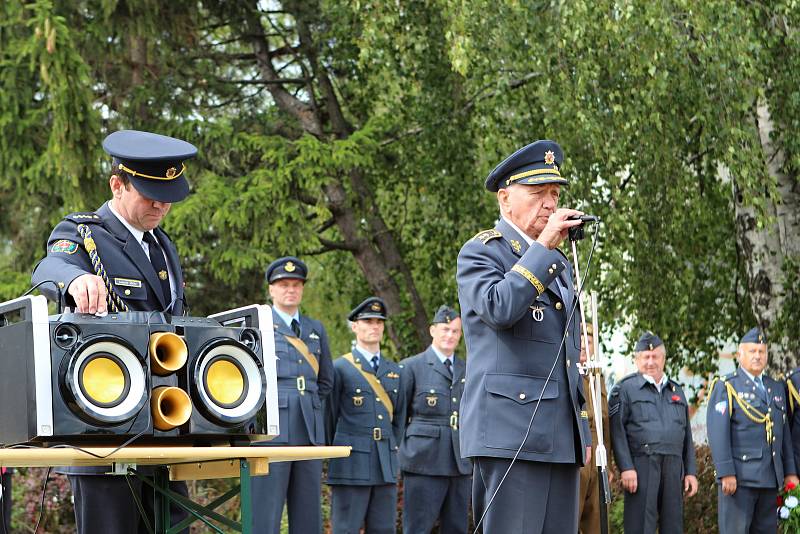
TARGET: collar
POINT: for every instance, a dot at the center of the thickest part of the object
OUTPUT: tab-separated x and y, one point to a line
528	239
660	385
441	356
367	354
138	234
286	317
751	377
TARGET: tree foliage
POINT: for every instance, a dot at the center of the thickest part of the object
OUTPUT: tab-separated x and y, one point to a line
357	135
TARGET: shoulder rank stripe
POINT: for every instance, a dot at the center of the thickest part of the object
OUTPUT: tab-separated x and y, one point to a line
529	276
487	235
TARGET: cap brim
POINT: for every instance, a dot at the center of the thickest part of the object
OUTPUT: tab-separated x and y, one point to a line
162	190
369	316
281	276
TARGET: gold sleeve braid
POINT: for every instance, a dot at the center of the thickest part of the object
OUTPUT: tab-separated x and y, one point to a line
115	302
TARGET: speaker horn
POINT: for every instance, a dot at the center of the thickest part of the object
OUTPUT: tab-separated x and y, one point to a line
168	353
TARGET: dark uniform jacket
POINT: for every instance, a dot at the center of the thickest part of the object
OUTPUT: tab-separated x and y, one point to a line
129	270
431	445
644	422
739	445
514	315
793	398
301	392
357	418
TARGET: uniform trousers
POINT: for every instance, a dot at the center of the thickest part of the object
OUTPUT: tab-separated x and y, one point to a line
5	503
297	484
372	507
747	511
104	504
535	498
428	498
658	501
589	500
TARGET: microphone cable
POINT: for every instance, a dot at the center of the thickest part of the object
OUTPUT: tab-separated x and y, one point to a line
547	380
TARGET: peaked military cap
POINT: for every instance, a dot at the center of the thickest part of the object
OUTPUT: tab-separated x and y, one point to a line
445	314
286	267
371	308
154	163
755	335
648	341
534	164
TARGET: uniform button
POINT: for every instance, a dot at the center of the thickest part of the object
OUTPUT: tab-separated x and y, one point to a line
744	457
554	266
377	399
127	291
380	416
551	271
521	396
394	390
558	305
299	361
455	399
567	363
358	390
773	454
61	285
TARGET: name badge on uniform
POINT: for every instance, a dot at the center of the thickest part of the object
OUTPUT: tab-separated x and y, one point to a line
537	312
432	400
127	282
358	401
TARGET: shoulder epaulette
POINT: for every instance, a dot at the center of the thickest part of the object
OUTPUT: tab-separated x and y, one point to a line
83	217
627	377
793	372
487	235
728	376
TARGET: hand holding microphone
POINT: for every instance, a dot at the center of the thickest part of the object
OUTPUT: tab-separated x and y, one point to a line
561	223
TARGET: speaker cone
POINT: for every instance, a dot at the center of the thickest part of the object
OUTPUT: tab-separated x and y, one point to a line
230	382
105	381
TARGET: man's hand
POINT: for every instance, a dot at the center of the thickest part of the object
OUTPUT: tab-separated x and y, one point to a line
729	485
690	485
588	455
89	293
558	227
630	481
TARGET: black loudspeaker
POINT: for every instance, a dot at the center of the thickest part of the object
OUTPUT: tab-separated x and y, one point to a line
78	377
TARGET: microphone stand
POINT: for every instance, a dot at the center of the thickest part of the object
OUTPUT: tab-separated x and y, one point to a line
594	367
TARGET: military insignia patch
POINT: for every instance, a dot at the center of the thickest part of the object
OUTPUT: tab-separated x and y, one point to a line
549	157
171	172
487	235
432	400
392	375
584	414
537	312
375	307
516	245
64	246
721	406
313	335
358	401
162	275
289	267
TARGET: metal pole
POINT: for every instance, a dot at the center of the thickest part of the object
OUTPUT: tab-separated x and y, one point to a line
593	367
245	505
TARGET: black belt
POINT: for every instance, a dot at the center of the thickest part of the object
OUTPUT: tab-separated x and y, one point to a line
361	430
440	420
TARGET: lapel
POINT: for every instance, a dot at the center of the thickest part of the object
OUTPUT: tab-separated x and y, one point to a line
280	326
519	247
433	360
366	365
566	279
459	370
751	388
172	260
133	250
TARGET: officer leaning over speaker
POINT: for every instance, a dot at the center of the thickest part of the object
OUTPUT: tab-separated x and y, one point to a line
139	268
436	480
750	441
305	378
652	438
366	411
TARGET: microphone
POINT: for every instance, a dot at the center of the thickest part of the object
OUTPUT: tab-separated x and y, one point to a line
576	232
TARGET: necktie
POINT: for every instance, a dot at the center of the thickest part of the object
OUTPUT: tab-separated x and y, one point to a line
761	390
296	327
159	265
375	363
449	364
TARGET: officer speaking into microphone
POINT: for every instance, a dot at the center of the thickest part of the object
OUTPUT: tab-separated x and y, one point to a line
517	296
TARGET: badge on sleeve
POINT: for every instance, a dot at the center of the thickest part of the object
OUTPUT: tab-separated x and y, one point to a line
721	406
64	246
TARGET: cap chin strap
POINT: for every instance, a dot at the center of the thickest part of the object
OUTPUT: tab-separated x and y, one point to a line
172	173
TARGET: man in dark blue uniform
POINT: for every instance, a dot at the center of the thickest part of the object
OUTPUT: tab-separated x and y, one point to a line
305	379
750	441
516	293
366	411
436	480
793	397
138	270
652	438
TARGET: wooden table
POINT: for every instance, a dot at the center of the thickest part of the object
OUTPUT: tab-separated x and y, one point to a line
178	463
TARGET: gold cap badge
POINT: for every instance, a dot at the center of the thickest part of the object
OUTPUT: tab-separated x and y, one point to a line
289	268
376	307
549	158
162	275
